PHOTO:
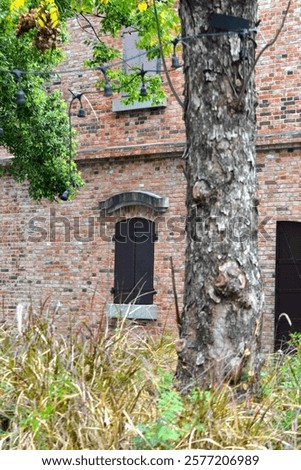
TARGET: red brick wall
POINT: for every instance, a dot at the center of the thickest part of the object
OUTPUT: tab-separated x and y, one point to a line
279	177
64	252
278	74
104	133
279	138
46	258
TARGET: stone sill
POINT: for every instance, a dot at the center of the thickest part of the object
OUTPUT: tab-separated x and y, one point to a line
118	106
132	311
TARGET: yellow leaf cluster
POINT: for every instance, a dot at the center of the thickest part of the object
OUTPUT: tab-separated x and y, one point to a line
48	10
163	16
17	5
142	6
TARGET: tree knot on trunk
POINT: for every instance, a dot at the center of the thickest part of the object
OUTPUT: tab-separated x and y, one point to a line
231	280
180	345
201	191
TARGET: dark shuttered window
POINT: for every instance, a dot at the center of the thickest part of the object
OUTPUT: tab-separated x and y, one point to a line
134	261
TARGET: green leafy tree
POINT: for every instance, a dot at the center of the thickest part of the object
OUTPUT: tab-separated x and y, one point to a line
37	131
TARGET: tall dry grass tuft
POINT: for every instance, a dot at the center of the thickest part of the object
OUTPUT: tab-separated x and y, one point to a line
81	394
94	390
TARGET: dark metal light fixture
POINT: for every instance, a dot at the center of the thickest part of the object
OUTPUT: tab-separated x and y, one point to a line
107	88
81	113
65	195
228	23
143	90
1	128
20	97
175	64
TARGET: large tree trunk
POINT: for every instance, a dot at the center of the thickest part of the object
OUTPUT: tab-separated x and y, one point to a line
221	322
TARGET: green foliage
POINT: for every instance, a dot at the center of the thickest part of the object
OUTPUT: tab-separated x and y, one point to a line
121	81
286	376
164	432
36	133
101	53
117	15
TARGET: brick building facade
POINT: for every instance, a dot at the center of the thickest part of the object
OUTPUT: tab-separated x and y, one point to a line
61	258
278	157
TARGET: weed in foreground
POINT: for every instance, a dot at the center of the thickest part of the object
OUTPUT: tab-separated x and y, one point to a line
117	392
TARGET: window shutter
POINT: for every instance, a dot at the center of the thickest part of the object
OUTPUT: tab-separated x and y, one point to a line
134	57
144	260
124	264
134	261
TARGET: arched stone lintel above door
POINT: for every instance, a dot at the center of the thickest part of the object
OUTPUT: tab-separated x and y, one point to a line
135	198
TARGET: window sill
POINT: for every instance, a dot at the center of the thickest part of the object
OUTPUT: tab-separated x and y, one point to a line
118	106
132	311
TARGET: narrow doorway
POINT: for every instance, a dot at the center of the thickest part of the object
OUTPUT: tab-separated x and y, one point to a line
288	281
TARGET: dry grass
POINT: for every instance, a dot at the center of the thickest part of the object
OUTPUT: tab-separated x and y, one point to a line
116	392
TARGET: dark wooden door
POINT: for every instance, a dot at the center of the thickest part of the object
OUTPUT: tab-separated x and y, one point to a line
134	261
288	281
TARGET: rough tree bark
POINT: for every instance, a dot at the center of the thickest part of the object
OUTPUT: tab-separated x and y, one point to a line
221	323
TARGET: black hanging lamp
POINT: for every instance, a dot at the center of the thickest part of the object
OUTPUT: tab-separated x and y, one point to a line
20	96
65	195
175	64
1	128
82	112
107	90
143	90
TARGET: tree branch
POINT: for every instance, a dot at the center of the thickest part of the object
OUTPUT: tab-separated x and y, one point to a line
91	26
269	44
